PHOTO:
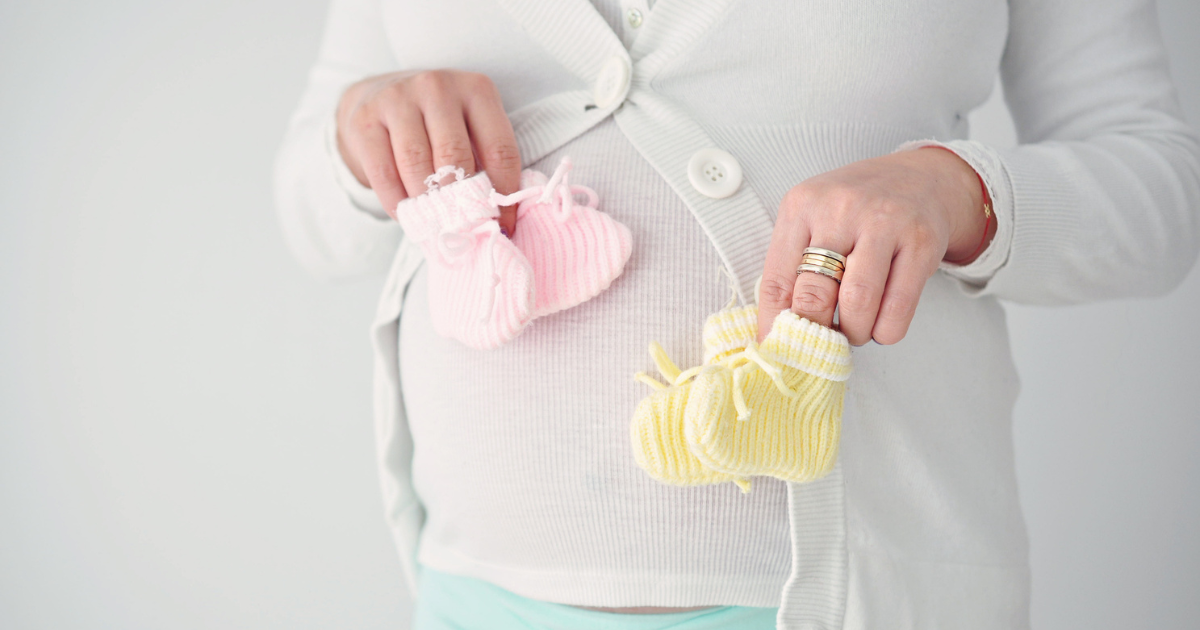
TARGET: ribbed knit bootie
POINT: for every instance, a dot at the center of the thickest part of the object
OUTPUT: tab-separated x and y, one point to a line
772	410
657	431
481	287
575	250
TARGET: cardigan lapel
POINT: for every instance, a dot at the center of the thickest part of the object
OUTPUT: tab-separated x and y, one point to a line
575	34
579	38
739	226
671	27
581	41
571	31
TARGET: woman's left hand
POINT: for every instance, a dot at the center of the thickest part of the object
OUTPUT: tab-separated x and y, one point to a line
895	218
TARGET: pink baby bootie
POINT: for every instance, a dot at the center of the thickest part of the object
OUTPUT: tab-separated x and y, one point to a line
481	286
575	250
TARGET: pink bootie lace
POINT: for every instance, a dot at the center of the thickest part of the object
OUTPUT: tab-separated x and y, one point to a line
480	284
575	250
484	288
556	189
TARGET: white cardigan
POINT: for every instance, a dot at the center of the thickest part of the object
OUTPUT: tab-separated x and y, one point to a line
920	526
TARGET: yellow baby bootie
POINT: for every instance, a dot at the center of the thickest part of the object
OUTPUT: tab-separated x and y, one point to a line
657	430
775	409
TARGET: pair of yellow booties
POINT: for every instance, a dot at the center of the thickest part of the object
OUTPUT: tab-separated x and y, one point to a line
773	409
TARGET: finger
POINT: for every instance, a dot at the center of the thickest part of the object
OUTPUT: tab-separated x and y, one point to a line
862	288
907	279
410	145
788	241
373	147
496	148
815	297
448	138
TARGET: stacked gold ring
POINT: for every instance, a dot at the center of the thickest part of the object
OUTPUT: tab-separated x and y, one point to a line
823	261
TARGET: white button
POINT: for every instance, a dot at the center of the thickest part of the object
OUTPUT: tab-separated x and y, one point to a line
613	83
714	173
635	18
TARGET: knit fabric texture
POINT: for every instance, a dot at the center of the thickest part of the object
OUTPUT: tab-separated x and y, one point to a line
575	250
747	411
481	286
775	410
485	288
729	330
657	430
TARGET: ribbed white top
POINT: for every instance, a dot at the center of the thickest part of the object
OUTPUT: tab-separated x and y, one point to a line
522	455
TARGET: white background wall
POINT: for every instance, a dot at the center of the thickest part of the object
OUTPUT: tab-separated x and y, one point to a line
185	435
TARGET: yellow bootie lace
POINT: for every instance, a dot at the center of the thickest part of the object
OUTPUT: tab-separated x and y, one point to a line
793	387
739	363
658	429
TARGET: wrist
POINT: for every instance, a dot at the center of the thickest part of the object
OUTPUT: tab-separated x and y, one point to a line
970	214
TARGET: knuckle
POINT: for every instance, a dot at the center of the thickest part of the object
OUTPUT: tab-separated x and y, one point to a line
433	85
399	91
888	213
811	299
855	296
835	201
802	199
412	155
379	173
477	83
899	307
775	290
354	97
362	119
453	151
845	197
892	209
883	223
924	236
503	155
797	197
885	218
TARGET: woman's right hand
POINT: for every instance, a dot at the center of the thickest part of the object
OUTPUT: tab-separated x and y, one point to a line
394	130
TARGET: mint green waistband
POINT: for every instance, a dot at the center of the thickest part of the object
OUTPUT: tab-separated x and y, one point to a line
452	602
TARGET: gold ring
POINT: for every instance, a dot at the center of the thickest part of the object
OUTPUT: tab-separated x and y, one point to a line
812	259
824	271
827	253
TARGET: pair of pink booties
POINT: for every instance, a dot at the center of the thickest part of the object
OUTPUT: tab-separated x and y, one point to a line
485	288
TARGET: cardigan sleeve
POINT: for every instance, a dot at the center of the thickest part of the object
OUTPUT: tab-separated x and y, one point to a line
335	226
1100	197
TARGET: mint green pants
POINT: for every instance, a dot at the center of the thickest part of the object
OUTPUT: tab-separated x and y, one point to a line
451	602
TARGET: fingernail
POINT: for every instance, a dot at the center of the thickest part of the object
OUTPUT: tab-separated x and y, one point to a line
504	231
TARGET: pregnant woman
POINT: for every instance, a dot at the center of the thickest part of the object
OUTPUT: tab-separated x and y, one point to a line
729	137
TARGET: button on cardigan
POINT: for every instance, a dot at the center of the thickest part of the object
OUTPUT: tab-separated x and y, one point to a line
523	459
919	526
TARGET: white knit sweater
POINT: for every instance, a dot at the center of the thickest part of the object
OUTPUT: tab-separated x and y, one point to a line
920	525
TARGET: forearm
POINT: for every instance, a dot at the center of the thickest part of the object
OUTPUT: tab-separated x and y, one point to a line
1100	199
334	228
